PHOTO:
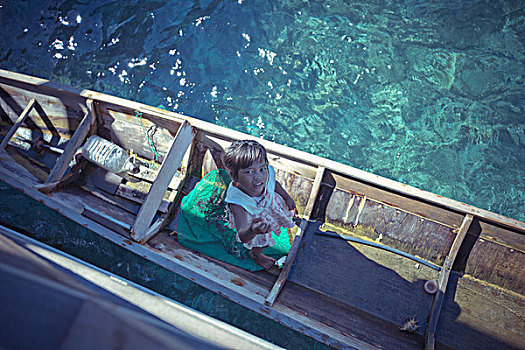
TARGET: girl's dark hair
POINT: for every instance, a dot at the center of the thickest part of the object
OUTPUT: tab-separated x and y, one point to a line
242	154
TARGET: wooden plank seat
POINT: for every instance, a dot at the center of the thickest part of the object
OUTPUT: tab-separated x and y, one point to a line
141	228
297	241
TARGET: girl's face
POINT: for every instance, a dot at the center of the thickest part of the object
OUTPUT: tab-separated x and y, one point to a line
252	180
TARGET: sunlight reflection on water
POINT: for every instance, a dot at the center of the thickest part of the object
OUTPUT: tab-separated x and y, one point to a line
408	91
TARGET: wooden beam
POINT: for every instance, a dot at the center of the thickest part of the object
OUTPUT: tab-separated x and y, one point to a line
74	143
281	280
181	142
443	278
17	124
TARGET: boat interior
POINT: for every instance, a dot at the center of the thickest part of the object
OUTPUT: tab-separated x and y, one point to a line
356	275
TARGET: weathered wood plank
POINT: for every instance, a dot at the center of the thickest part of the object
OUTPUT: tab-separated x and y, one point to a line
494	262
114	200
398	201
136	196
149	175
16	170
359	215
155	228
76	141
109	221
443	278
33	166
171	163
281	280
17	124
380	246
76	198
367	331
502	236
123	126
179	182
480	315
297	186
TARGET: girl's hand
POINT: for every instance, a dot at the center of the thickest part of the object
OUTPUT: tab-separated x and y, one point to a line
259	226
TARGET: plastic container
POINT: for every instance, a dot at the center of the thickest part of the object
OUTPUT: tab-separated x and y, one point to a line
107	155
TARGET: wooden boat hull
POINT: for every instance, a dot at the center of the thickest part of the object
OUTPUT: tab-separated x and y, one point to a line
360	258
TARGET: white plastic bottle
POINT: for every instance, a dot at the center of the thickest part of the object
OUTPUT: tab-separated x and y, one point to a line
107	155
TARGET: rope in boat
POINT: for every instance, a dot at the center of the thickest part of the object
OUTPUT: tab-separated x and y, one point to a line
153	148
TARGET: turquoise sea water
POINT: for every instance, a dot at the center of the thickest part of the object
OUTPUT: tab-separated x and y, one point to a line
429	94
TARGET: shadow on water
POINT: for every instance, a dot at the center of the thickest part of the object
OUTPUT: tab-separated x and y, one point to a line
43	224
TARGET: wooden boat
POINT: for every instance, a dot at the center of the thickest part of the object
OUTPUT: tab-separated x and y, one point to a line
361	258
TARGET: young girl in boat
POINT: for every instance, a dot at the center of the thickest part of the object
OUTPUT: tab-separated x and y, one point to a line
257	204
